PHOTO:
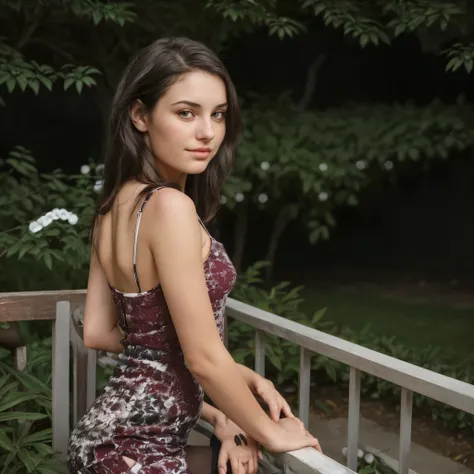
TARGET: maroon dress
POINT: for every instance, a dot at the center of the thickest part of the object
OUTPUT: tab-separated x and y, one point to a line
152	401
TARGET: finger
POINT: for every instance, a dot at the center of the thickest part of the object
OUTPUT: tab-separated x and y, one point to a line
318	446
286	409
274	410
259	454
314	442
222	461
235	464
251	465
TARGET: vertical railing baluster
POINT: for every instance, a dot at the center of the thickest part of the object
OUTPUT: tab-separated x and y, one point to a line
91	377
60	377
354	419
260	352
305	383
406	409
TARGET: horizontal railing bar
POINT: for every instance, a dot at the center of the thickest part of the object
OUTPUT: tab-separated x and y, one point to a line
23	306
36	305
302	461
439	387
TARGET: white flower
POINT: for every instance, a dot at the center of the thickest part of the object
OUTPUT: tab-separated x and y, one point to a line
63	214
239	197
47	220
388	165
41	221
44	221
35	227
262	198
55	214
360	453
85	169
265	165
98	186
72	219
344	452
223	200
49	215
361	165
323	196
369	458
323	167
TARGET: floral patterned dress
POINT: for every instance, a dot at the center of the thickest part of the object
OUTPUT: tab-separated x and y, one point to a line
152	401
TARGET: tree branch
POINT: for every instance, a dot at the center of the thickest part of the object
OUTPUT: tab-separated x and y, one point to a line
36	20
53	47
311	82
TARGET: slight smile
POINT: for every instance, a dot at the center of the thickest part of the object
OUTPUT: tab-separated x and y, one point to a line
200	152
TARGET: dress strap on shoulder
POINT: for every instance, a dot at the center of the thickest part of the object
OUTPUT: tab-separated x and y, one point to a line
204	227
137	227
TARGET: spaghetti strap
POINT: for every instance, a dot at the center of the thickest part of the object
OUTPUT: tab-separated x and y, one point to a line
137	227
204	227
135	240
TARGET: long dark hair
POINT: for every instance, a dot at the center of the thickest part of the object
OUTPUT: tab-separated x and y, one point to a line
147	78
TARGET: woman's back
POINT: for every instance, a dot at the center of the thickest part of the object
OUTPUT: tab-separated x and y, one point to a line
116	235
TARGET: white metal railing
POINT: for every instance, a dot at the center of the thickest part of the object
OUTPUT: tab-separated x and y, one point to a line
409	377
59	306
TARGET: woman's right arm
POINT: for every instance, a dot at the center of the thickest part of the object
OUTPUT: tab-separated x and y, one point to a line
174	234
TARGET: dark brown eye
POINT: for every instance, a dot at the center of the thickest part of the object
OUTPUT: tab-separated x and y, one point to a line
185	114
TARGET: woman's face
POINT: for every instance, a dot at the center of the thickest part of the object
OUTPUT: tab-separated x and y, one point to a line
187	126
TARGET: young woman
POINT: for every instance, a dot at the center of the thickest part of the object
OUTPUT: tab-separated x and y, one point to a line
158	280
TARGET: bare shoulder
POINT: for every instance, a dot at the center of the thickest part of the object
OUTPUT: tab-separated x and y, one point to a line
169	201
171	211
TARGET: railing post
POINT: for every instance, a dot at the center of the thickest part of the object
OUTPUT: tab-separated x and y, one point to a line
406	409
354	419
60	377
305	385
91	377
260	353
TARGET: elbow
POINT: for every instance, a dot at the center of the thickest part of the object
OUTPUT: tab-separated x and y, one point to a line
89	342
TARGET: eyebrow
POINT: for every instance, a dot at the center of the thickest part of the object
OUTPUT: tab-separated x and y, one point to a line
196	105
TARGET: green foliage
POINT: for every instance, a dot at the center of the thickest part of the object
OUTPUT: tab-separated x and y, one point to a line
381	21
27	195
283	356
320	160
25	403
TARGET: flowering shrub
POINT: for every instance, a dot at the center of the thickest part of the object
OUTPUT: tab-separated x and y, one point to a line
31	234
367	463
304	164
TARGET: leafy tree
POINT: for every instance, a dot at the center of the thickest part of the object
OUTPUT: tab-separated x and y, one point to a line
85	43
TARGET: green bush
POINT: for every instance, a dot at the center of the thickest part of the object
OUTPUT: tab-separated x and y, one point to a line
25	410
283	356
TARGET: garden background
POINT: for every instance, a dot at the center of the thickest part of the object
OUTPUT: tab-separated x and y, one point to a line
349	208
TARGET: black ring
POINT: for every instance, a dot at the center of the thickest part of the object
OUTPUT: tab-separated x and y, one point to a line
244	439
237	440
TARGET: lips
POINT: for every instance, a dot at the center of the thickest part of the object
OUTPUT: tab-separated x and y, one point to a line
201	150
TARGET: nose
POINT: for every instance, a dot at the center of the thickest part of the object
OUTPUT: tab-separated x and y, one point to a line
205	130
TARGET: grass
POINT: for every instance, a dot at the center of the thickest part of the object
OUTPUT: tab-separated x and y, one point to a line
413	324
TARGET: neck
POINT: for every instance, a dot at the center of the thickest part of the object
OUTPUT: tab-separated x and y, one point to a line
172	176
